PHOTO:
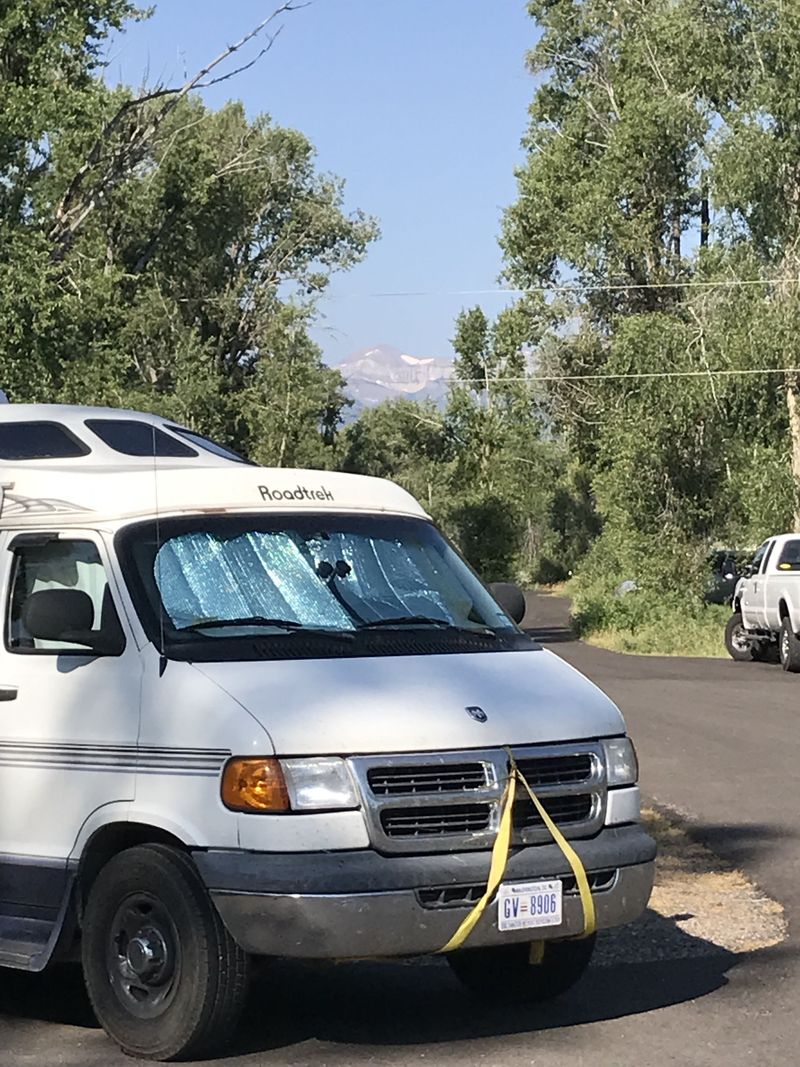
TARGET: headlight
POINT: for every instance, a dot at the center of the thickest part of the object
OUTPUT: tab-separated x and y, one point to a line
271	785
622	766
254	785
319	784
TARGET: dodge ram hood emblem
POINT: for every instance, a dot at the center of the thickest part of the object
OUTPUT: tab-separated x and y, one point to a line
476	713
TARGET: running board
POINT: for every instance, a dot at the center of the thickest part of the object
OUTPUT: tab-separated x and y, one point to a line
27	944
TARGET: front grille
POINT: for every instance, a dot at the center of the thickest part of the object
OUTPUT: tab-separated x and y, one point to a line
430	778
466	896
557	770
417	803
562	810
451	896
435	821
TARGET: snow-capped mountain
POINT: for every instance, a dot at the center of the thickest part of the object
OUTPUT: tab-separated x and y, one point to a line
386	373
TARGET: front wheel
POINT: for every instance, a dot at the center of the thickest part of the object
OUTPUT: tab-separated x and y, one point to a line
789	647
165	978
737	641
506	973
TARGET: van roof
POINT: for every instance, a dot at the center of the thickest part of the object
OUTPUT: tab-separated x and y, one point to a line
95	437
98	482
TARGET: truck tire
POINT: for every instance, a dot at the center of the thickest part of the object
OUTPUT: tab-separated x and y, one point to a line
164	977
736	642
504	972
789	647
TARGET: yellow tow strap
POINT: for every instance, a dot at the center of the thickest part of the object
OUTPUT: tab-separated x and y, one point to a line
499	862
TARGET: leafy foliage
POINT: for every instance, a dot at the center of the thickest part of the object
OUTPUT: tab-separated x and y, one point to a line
165	258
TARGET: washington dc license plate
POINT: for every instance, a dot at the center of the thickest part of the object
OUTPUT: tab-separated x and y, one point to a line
528	904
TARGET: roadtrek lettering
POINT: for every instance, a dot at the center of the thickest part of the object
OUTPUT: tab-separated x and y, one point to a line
302	492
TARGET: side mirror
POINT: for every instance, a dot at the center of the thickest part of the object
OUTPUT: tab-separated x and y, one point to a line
747	570
66	615
510	598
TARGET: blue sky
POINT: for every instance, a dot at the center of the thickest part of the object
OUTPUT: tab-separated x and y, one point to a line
419	104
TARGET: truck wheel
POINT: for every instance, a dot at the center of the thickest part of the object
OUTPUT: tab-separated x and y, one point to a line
736	641
789	647
165	978
505	973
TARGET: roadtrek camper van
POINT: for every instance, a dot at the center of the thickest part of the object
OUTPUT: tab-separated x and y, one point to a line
264	712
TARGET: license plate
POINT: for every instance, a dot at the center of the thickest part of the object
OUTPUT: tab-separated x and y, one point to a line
528	904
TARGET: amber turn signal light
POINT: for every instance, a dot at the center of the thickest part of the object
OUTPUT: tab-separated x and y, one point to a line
254	785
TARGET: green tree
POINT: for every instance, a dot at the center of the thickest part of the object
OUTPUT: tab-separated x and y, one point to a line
406	442
504	468
169	257
635	119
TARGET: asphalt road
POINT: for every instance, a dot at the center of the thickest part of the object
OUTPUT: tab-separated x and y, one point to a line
718	741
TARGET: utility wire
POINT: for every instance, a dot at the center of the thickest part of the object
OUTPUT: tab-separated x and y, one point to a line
533	378
722	283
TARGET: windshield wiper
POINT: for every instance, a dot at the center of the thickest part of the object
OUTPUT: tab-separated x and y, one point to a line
426	620
249	620
289	625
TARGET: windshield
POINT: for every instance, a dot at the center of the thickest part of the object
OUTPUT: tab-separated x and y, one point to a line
210	579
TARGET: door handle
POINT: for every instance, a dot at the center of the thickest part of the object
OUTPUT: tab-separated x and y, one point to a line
8	692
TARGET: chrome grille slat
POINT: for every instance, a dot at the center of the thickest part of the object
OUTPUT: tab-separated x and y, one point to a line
430	801
563	810
558	770
401	781
460	819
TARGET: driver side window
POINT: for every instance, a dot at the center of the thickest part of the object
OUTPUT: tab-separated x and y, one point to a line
755	566
60	601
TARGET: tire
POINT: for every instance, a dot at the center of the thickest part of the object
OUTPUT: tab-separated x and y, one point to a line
738	647
164	977
505	973
789	647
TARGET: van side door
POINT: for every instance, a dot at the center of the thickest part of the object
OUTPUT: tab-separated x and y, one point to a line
69	708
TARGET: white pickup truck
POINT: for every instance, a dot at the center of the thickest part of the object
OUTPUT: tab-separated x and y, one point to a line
766	605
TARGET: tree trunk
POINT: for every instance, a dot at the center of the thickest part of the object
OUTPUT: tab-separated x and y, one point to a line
794	432
705	217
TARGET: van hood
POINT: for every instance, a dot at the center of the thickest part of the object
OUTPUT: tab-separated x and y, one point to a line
417	703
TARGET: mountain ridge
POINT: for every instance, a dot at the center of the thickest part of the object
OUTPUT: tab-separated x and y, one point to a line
385	372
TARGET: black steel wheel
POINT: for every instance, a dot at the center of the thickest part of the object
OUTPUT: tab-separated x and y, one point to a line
165	978
505	972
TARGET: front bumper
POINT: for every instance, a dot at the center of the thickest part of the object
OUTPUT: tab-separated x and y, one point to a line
362	904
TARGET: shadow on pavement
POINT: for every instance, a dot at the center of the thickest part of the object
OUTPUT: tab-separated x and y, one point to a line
547	618
742	844
648	965
551	635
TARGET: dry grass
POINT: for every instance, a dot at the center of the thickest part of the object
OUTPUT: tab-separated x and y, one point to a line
708	898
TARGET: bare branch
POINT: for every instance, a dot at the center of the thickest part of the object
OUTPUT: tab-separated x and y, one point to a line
245	66
75	206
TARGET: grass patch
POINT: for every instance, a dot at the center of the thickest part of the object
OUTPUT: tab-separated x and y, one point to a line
668	634
646	623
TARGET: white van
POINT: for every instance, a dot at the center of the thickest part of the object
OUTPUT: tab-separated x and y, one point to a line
272	712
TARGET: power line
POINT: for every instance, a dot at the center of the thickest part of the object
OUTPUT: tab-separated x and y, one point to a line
711	372
721	283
